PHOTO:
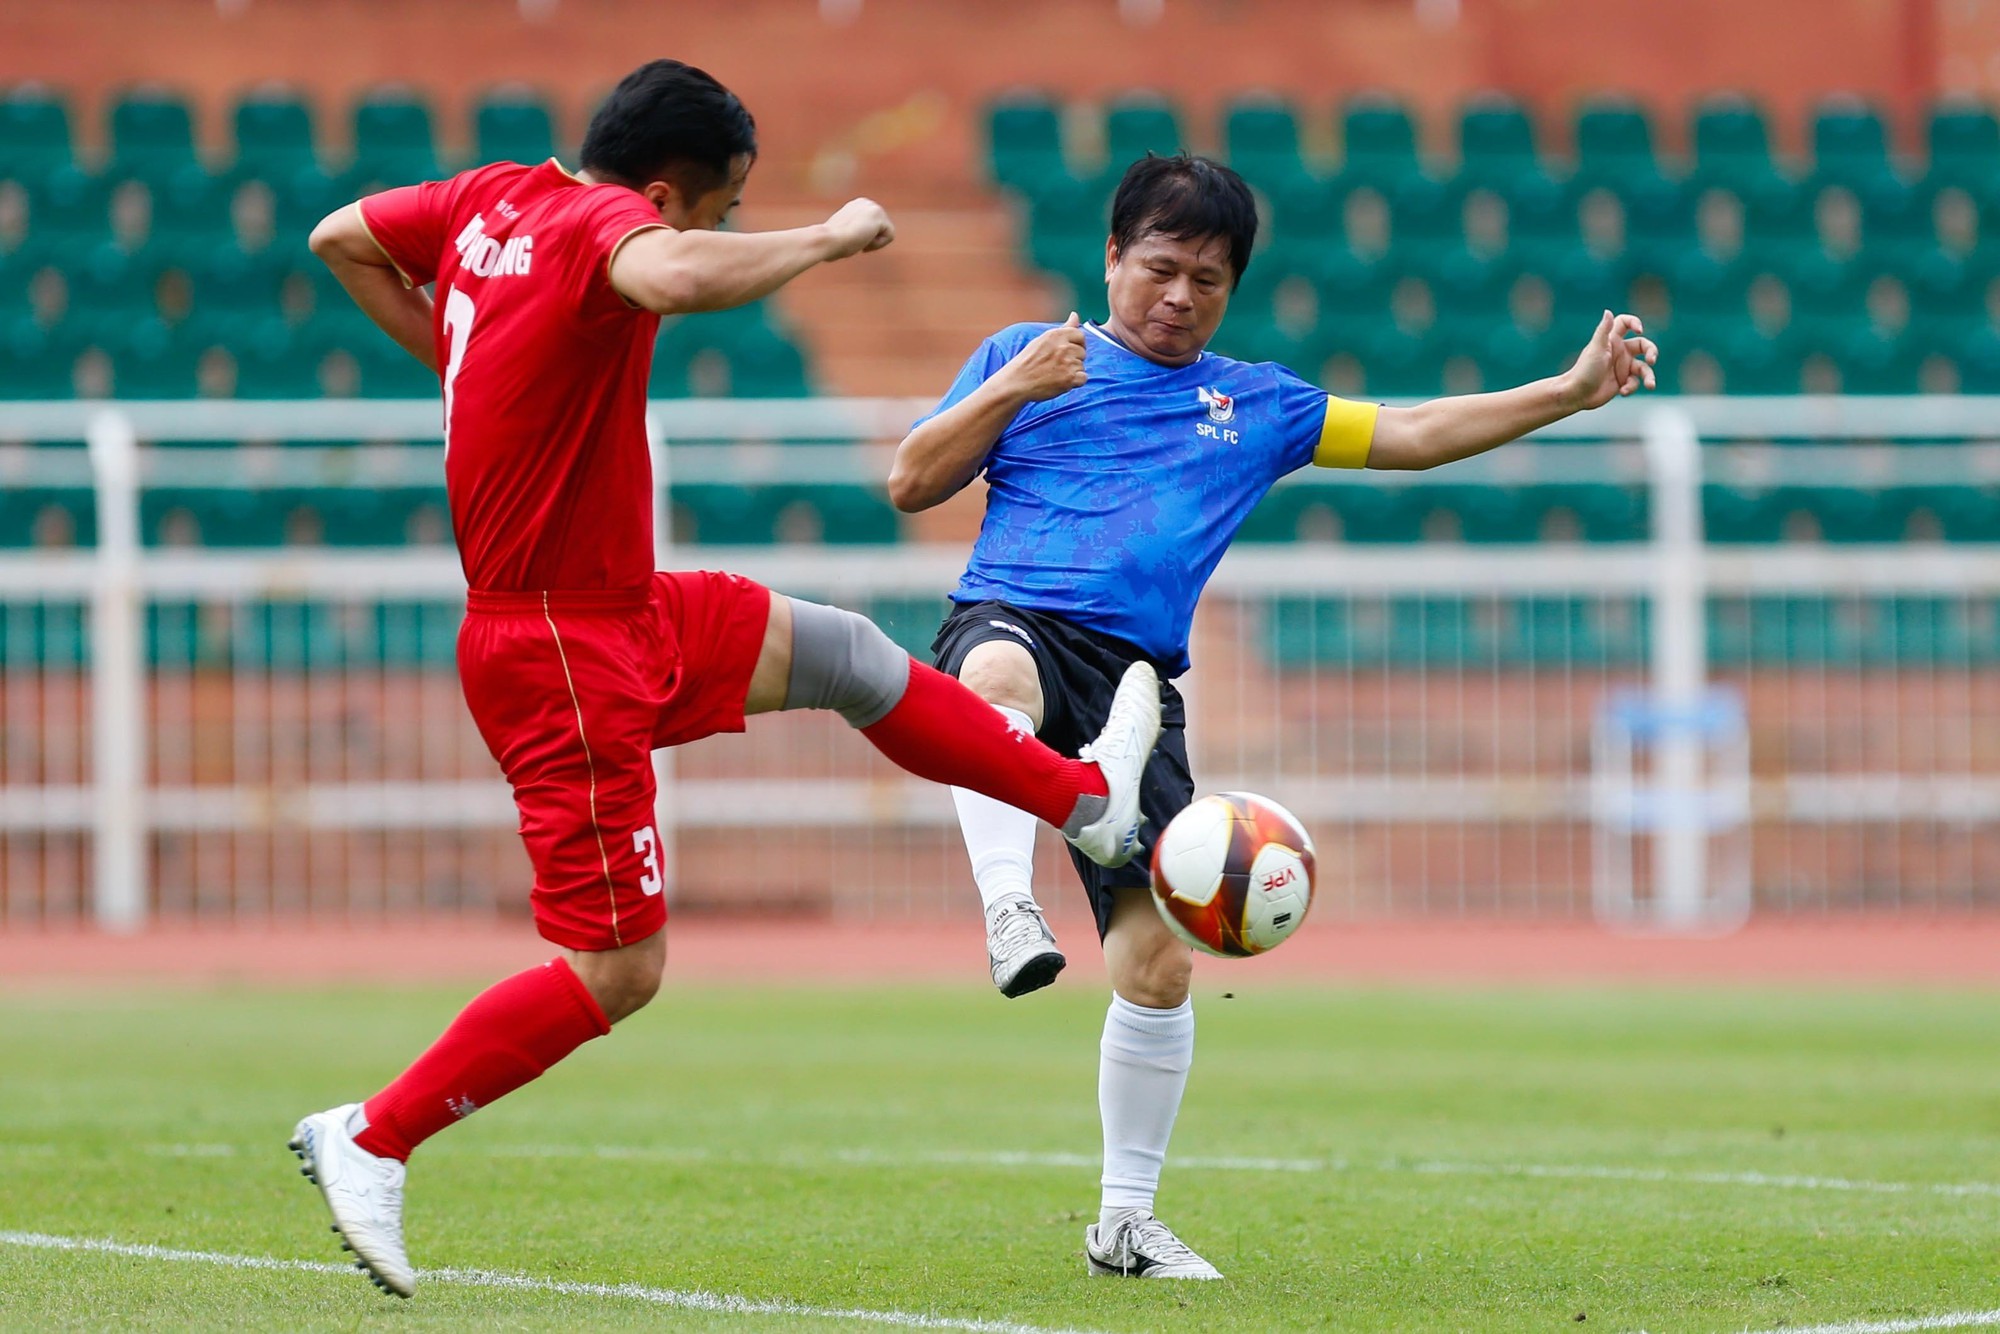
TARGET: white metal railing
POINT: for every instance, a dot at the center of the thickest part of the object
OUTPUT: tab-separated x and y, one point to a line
1444	784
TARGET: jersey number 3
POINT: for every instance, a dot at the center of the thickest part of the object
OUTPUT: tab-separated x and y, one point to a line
458	313
647	844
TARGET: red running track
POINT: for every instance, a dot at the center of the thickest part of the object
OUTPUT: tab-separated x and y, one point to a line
1953	951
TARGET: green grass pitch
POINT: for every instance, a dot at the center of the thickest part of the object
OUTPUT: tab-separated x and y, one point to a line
1352	1160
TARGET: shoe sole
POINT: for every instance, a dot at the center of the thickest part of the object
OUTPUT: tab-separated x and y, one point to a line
297	1145
1131	844
1098	1269
1035	974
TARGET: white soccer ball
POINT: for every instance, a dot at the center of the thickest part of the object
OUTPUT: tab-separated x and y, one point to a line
1233	874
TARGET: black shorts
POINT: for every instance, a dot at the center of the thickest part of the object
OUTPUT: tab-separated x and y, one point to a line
1080	670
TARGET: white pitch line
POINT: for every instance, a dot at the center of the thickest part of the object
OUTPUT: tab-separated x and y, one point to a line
1909	1325
1421	1167
688	1300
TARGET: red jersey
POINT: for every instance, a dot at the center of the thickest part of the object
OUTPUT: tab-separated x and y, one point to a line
545	368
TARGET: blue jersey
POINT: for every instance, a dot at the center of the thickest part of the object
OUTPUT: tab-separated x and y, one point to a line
1112	504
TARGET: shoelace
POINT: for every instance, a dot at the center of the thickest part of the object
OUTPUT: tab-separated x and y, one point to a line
1154	1238
1017	924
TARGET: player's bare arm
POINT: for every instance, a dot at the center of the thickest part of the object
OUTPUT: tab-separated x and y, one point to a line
344	244
1617	361
684	272
938	458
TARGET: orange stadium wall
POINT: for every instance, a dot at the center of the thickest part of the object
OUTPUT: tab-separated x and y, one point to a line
890	94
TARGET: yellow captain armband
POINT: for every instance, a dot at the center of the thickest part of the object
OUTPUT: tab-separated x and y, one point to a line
1346	434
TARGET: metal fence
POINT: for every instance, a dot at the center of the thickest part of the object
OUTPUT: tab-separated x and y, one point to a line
1662	733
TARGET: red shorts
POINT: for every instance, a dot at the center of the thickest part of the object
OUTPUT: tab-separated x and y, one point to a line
573	692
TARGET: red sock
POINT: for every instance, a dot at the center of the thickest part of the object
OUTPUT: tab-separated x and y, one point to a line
941	731
508	1035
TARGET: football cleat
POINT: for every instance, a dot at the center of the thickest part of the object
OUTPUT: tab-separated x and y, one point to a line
364	1193
1120	752
1020	948
1141	1246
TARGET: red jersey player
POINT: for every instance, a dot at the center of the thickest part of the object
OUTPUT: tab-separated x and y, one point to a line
577	658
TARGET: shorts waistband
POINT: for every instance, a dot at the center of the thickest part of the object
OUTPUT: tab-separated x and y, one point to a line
602	600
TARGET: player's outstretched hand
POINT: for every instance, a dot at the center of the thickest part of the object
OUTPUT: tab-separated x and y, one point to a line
859	226
1052	364
1618	360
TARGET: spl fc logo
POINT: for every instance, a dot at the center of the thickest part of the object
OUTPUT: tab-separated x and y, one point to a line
1221	407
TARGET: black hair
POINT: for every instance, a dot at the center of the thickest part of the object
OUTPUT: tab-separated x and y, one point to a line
669	121
1187	198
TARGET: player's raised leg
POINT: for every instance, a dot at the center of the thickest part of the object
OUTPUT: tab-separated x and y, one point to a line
819	657
1142	1072
1021	950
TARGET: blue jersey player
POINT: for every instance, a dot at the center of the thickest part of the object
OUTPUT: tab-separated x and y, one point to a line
1120	459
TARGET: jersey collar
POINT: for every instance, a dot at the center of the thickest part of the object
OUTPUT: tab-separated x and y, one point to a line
1092	326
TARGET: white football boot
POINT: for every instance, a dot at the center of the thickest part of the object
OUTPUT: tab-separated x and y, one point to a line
1121	751
1020	948
1141	1246
364	1192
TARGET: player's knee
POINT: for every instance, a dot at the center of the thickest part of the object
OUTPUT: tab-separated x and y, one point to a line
623	981
843	662
1156	974
1003	674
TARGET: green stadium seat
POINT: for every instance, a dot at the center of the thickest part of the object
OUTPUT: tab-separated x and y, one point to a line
1509	357
1708	292
1260	135
36	363
70	209
513	125
1480	514
1425	215
1067	224
1496	143
1945	299
299	201
1395	364
387	371
1603	511
1732	143
1582	285
719	515
763	363
1875	362
1895	220
1659	215
1135	125
1842	513
1541	219
274	135
393	141
1850	144
276	364
1352	290
18	269
231	281
152	135
152	361
209	517
1964	142
1024	142
1777	220
1827	294
1736	515
34	134
1378	141
842	515
1469	287
111	288
28	516
911	621
1614	143
1749	362
191	217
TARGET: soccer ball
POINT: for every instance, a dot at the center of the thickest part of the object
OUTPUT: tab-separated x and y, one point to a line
1233	874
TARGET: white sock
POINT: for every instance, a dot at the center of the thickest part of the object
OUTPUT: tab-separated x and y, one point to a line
999	839
1141	1075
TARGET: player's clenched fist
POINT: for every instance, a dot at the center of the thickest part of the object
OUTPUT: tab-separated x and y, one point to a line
861	225
1052	364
